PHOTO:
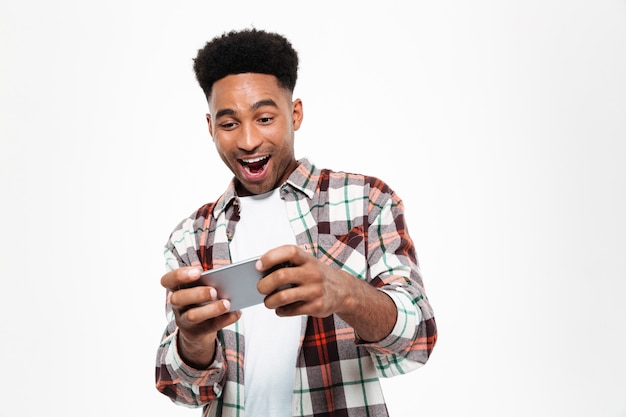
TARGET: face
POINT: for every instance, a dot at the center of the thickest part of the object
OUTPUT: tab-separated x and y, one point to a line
252	121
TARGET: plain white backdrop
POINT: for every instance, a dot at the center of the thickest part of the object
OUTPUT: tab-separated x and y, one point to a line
500	123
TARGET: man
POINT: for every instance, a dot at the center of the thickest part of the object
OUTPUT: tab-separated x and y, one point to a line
355	309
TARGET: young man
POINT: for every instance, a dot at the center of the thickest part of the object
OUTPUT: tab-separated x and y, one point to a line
355	309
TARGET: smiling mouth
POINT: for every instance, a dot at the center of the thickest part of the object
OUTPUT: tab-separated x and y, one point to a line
254	165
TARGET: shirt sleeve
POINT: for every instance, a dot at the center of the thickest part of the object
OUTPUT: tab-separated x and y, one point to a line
183	384
174	378
395	270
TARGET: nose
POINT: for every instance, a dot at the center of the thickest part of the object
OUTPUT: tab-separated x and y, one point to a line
249	139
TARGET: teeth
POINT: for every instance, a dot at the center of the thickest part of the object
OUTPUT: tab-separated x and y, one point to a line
253	160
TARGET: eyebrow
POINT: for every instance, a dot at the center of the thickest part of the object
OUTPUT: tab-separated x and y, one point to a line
255	106
261	103
225	112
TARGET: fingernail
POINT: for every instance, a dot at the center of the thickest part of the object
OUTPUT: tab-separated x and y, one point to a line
259	265
226	304
193	273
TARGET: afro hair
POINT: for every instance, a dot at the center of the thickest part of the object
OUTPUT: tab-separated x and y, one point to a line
246	51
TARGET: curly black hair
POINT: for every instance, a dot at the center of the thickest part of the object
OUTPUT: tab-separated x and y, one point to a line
248	50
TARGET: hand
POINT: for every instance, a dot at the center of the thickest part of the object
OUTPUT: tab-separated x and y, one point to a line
313	288
318	290
198	314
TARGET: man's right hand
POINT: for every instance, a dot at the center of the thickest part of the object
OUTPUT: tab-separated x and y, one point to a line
199	315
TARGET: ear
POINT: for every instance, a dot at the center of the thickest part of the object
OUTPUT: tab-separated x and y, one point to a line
208	120
297	114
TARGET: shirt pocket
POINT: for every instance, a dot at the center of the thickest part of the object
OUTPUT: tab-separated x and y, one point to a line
347	251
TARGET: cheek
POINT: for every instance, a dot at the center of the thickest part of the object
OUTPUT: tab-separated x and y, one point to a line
281	135
221	142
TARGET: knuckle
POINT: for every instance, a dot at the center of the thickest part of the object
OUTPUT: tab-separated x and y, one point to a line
282	297
292	251
192	315
174	298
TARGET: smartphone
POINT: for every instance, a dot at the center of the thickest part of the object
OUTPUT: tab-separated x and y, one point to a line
236	282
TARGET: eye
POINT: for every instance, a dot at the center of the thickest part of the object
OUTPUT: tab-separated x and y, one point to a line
227	125
265	120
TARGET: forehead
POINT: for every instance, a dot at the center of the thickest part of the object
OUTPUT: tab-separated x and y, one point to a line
244	90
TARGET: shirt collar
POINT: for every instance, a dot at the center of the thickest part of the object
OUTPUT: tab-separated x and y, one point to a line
303	178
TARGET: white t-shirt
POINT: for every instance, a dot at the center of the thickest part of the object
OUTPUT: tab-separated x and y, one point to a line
271	342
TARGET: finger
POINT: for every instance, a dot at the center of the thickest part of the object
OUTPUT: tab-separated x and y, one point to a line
279	279
207	318
310	307
185	275
183	299
284	297
209	311
293	309
290	254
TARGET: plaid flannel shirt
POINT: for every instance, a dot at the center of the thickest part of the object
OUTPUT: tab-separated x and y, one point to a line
349	221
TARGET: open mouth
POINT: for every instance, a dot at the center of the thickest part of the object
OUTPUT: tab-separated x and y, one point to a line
254	166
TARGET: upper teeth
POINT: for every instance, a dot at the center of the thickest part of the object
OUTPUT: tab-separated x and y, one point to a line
253	160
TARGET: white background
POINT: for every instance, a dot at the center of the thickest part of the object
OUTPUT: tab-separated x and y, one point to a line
500	123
